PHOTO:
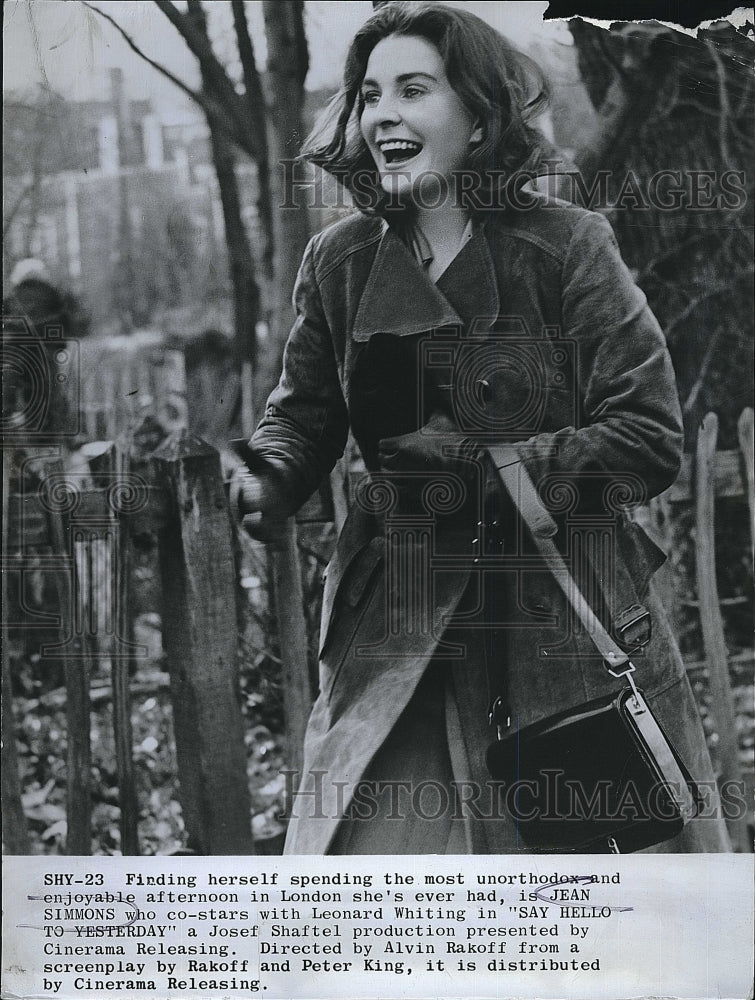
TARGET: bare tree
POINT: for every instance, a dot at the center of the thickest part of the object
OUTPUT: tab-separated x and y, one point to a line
246	295
287	66
244	119
670	103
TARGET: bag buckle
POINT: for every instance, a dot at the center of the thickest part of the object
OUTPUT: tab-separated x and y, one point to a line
499	715
633	627
629	669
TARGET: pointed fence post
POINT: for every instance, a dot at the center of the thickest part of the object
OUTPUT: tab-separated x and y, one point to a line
746	434
111	463
15	832
200	636
711	621
76	652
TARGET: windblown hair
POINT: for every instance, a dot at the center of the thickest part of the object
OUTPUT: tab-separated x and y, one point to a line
502	88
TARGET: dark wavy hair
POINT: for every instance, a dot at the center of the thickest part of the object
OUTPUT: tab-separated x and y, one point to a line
503	89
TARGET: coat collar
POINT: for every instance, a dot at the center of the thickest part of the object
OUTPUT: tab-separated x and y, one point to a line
469	282
400	299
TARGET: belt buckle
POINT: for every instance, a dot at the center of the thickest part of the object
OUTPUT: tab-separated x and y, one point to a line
633	627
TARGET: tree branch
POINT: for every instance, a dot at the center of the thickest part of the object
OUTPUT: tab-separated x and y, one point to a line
252	83
255	100
648	270
724	108
300	44
712	293
216	82
193	94
697	388
211	103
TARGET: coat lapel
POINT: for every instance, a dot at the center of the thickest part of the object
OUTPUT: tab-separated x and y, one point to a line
469	283
399	298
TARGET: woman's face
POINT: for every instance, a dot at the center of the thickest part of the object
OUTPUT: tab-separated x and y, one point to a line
413	122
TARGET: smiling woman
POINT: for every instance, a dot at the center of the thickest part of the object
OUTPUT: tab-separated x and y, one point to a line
444	325
411	116
444	62
419	134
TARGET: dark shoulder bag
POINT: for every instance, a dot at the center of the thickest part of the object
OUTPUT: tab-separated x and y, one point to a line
601	777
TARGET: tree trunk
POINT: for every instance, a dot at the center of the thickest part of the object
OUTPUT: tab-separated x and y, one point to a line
287	69
625	92
257	110
246	297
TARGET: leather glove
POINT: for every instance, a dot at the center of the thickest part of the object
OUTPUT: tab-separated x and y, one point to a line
255	502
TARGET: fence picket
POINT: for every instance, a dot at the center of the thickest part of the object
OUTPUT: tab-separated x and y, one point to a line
200	637
75	653
114	463
710	616
15	833
746	434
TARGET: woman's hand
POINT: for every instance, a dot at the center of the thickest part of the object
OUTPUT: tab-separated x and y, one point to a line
255	502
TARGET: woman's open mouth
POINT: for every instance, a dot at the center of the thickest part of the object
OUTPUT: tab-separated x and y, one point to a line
398	151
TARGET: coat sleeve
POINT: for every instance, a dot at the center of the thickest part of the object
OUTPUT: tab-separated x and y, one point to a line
305	426
628	421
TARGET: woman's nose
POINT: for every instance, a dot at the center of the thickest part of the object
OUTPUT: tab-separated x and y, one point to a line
385	111
389	114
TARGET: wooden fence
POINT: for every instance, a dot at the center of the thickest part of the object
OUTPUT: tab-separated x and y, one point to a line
706	476
79	522
74	515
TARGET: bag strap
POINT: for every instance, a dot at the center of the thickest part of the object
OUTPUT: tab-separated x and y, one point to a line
518	484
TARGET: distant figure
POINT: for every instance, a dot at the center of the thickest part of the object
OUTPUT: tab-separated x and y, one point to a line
34	294
41	327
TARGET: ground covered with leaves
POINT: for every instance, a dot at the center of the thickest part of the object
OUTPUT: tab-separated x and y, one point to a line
40	713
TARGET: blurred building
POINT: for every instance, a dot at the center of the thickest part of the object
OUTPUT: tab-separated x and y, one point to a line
120	203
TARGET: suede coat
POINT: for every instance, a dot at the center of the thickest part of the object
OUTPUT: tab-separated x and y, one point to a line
536	336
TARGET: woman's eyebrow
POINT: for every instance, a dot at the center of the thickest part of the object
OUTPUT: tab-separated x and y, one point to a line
401	79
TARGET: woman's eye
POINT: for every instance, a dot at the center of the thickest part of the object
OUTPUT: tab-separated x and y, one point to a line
412	91
370	97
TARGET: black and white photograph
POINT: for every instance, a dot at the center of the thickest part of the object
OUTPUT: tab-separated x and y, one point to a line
378	499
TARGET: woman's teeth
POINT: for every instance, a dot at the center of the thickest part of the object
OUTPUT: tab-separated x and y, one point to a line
399	150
